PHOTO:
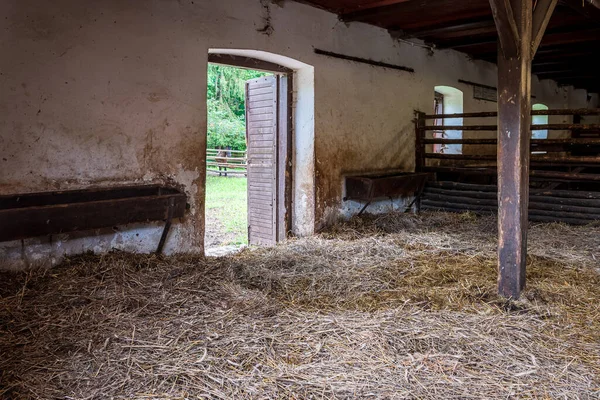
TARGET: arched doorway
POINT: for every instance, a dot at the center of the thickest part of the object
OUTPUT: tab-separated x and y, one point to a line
280	138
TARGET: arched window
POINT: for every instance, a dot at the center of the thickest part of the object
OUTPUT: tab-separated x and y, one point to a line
448	100
539	120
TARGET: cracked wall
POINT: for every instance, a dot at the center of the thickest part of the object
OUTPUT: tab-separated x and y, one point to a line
113	92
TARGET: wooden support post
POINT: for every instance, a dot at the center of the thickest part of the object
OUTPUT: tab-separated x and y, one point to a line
419	141
419	154
514	120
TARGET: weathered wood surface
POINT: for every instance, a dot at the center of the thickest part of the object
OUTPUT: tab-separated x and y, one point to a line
514	127
558	127
566	111
553	205
558	176
31	215
262	155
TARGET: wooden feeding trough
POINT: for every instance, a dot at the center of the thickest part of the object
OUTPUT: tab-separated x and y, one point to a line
368	188
46	213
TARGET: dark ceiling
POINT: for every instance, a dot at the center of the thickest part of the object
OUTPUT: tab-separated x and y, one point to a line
568	54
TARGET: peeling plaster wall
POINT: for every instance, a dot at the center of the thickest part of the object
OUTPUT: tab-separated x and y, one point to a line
112	92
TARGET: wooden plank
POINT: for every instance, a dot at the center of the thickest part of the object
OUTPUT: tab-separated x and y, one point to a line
261	96
566	193
257	104
246	62
261	127
260	193
265	203
264	208
261	179
566	111
267	233
260	222
541	16
560	207
571	221
549	160
260	91
419	142
257	213
259	111
256	169
462	186
570	141
514	127
260	190
259	124
508	33
262	133
461	193
363	60
264	180
261	117
31	221
550	127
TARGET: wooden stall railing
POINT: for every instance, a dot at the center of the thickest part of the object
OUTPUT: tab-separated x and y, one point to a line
564	172
226	162
557	152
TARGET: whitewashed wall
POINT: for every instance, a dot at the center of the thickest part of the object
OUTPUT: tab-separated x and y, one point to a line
105	92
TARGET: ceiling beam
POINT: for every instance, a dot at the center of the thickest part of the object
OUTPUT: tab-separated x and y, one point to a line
507	27
568	75
541	17
554	38
561	71
368	12
408	15
548	63
574	65
370	6
582	35
448	29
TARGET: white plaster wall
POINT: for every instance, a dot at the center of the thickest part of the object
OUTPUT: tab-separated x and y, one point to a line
110	92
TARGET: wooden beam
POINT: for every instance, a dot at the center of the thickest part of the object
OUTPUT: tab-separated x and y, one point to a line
247	62
507	27
363	60
514	121
541	16
585	37
371	11
370	6
478	25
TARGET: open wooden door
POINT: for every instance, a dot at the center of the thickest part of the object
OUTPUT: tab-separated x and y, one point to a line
262	138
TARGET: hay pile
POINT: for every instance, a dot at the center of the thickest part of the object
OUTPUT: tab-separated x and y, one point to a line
390	307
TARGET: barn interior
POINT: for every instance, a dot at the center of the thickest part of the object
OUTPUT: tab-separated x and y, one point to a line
423	200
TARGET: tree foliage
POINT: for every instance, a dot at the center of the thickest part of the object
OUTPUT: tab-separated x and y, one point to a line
226	106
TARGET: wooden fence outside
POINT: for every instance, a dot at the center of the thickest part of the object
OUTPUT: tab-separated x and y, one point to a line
234	163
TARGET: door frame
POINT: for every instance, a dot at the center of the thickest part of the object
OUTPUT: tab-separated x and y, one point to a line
285	125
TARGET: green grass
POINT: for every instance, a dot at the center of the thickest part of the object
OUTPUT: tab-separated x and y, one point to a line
226	199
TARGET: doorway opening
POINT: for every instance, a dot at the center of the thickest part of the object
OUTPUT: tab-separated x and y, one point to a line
248	171
448	100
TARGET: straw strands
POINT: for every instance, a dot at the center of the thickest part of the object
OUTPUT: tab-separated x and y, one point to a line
390	307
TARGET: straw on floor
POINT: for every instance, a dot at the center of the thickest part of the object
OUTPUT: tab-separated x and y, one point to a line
390	307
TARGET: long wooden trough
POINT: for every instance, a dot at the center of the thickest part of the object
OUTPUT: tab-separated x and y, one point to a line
46	213
371	187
